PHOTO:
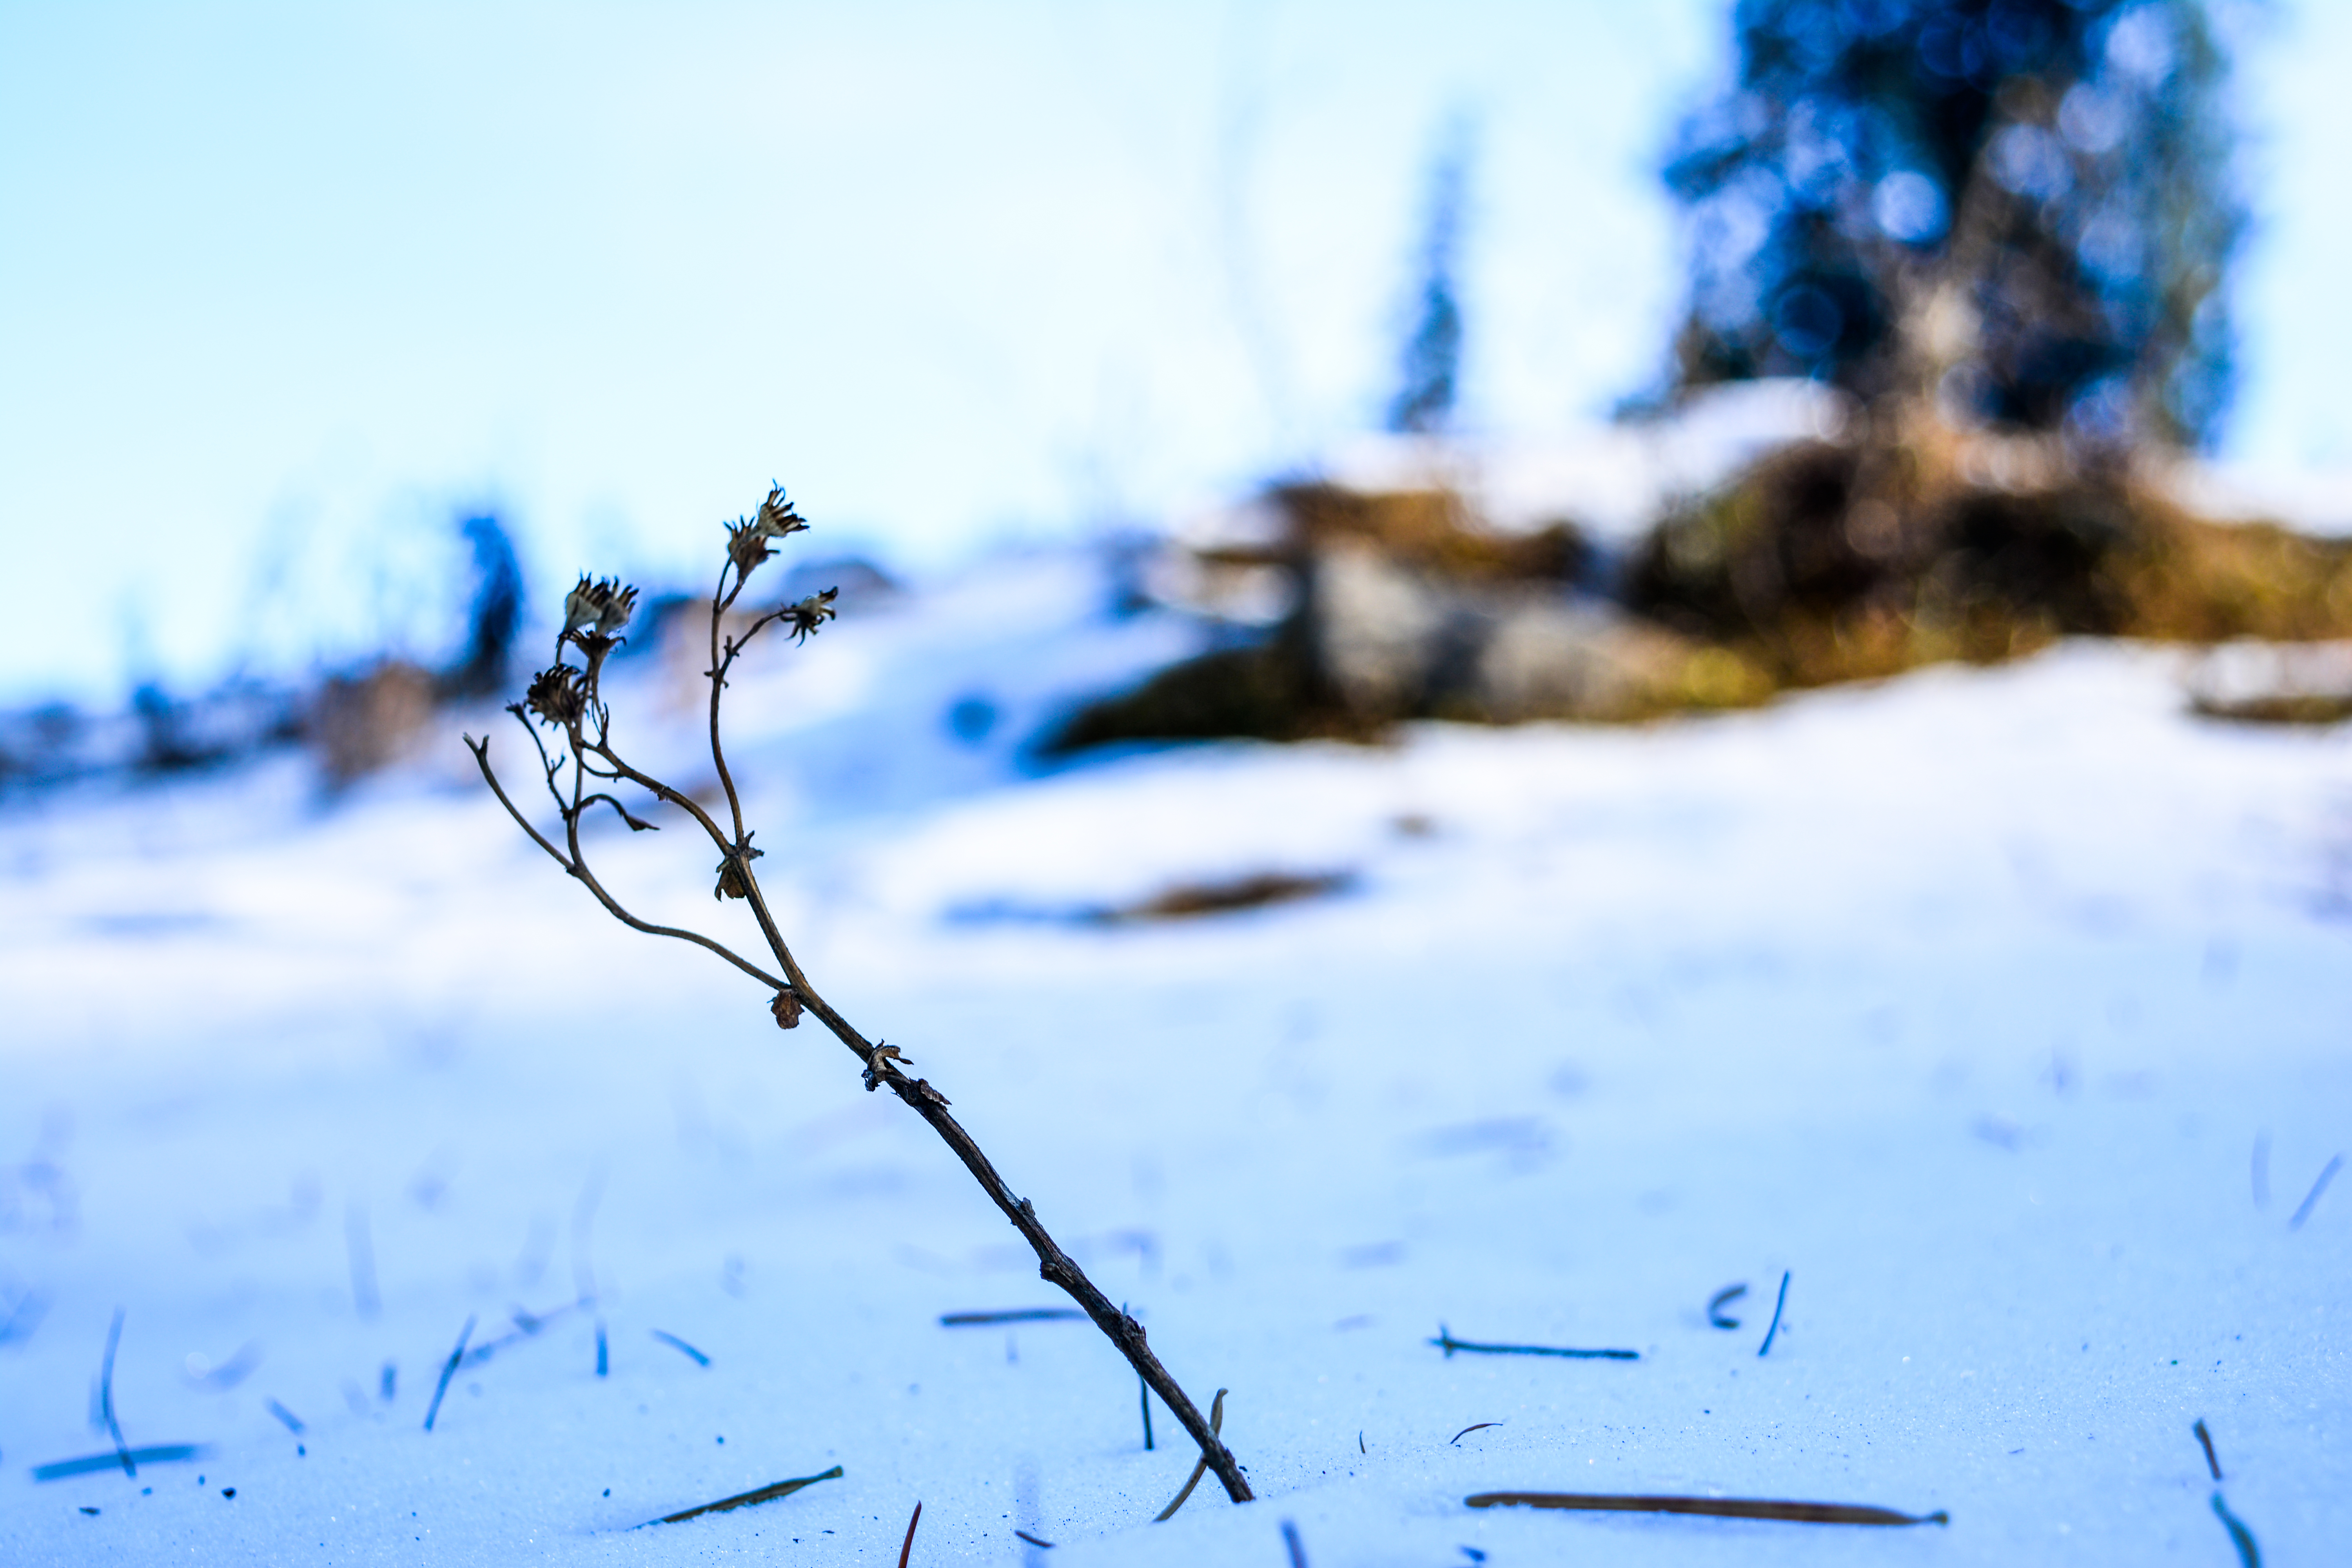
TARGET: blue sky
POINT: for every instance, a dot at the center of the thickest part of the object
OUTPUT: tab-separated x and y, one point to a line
284	286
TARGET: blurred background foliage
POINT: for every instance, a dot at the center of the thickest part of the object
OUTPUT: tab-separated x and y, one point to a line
2000	234
2028	206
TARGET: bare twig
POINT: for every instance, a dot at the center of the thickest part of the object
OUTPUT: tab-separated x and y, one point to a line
746	1499
1449	1344
2250	1555
567	697
1712	1507
1776	1306
2311	1199
1034	1541
1017	1315
907	1550
1456	1441
680	1345
1216	1422
106	1399
158	1454
1721	1298
481	750
2205	1441
448	1371
527	1325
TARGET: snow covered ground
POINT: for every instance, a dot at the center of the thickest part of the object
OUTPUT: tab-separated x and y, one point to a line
2002	1011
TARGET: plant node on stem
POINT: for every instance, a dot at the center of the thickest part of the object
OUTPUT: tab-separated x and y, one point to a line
567	699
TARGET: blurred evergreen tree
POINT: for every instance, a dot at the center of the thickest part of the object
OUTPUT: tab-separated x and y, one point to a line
2022	209
1431	362
496	614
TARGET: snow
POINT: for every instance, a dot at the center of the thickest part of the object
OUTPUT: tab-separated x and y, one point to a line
1966	1001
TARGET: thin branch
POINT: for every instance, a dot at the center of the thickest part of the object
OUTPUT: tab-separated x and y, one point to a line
550	765
908	1548
718	674
663	793
613	906
448	1371
1777	1307
106	1399
1712	1507
1449	1344
1216	1420
635	825
481	750
747	1500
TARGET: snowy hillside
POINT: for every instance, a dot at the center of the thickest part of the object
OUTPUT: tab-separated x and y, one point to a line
2001	1012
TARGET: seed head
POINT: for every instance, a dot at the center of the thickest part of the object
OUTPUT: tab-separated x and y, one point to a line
811	613
733	877
559	694
748	538
600	605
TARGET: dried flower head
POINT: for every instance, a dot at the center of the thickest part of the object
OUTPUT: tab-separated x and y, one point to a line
559	694
600	605
787	1009
811	613
747	539
733	881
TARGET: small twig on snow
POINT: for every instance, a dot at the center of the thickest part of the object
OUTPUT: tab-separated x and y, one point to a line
106	1398
1449	1344
448	1371
1721	1298
2241	1537
158	1454
1777	1305
745	1500
1216	1424
2326	1174
2205	1441
1712	1507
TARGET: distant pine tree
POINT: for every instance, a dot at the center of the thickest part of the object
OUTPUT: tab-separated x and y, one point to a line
2021	208
496	614
1431	362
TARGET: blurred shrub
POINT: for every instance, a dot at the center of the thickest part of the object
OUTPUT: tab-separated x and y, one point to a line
2023	207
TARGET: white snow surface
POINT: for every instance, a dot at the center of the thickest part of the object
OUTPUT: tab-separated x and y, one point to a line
2002	1010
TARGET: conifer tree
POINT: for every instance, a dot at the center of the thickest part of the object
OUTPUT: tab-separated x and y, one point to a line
1430	364
2022	209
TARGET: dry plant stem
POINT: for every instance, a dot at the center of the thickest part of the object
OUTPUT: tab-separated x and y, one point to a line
907	1550
587	736
1708	1507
